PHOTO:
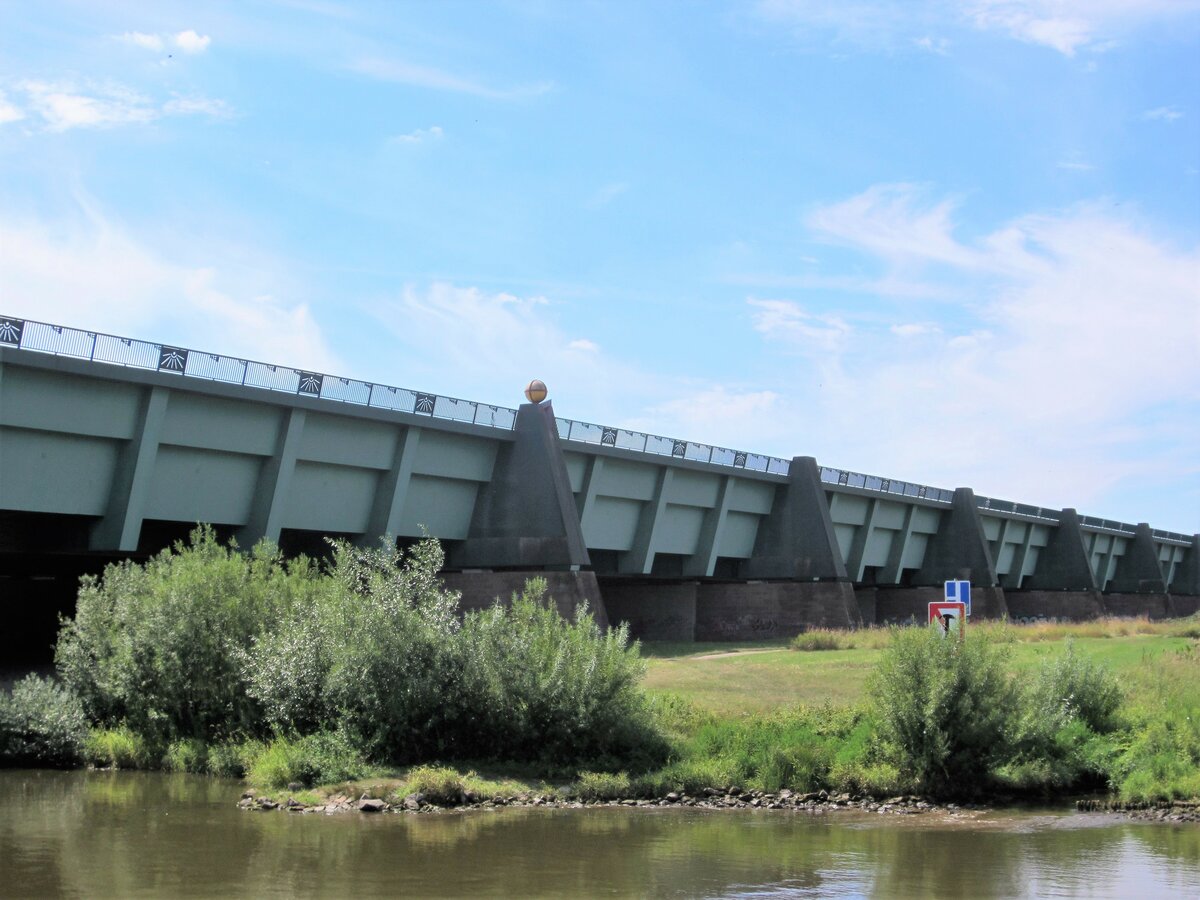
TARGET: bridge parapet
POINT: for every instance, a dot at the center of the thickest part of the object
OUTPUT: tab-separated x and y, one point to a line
95	346
123	432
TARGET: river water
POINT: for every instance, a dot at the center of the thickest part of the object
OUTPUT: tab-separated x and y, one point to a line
101	834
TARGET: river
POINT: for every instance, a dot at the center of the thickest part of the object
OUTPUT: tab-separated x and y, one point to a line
102	834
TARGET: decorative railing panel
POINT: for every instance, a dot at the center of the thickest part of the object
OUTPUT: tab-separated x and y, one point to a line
847	478
639	442
60	340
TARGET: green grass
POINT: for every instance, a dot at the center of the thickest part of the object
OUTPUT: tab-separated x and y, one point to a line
741	680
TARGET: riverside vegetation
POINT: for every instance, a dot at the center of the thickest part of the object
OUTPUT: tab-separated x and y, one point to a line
361	676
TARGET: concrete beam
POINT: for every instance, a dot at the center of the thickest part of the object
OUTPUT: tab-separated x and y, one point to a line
1138	571
639	560
858	547
587	496
1063	564
1013	578
274	482
797	539
704	561
393	489
891	572
959	549
526	517
121	525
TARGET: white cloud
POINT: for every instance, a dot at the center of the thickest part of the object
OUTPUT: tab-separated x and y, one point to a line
402	72
197	106
1066	26
914	329
8	111
940	46
888	220
145	41
420	135
584	345
86	272
191	42
811	333
1162	114
1075	366
65	105
1076	165
188	41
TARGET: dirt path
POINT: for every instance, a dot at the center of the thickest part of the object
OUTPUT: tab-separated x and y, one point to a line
738	653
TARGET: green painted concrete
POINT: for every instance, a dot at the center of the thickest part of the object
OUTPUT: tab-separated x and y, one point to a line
124	446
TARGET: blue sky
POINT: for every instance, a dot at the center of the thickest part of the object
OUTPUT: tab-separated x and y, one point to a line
956	243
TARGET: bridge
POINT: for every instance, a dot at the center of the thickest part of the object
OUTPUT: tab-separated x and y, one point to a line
112	447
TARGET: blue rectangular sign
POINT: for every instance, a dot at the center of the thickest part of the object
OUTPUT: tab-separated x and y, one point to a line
959	592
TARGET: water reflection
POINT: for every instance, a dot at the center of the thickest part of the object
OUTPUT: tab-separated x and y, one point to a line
107	835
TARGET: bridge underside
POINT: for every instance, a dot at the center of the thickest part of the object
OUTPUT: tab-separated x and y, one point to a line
101	462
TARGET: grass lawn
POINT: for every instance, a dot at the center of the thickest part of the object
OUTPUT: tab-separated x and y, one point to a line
735	678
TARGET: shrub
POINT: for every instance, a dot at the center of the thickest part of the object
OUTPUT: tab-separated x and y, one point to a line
819	639
156	646
233	759
541	687
602	786
187	755
118	748
314	759
41	724
373	651
944	708
439	784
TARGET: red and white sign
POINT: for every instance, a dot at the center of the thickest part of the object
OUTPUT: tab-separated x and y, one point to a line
950	617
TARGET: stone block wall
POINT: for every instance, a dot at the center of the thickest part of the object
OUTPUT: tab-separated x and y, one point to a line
655	612
772	609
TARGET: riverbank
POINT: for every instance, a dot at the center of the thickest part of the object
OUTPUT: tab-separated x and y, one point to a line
1176	812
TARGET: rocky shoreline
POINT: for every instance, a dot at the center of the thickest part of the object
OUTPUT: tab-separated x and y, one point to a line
709	798
815	803
1162	811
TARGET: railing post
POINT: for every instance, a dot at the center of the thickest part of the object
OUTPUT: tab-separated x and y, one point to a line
92	357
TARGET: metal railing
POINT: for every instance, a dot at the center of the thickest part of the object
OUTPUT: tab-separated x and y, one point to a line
640	442
59	340
885	485
1021	509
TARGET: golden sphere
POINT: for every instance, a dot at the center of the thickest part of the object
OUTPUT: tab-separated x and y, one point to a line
536	391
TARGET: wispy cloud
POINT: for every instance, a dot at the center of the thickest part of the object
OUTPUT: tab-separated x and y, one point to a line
419	136
84	270
8	111
64	105
1024	378
780	319
402	72
889	220
1076	165
188	41
1066	26
141	39
940	46
1162	114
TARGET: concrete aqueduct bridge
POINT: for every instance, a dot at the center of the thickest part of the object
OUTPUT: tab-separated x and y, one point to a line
112	447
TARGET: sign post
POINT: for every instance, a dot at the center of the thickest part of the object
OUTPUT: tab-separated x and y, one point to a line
951	618
959	592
